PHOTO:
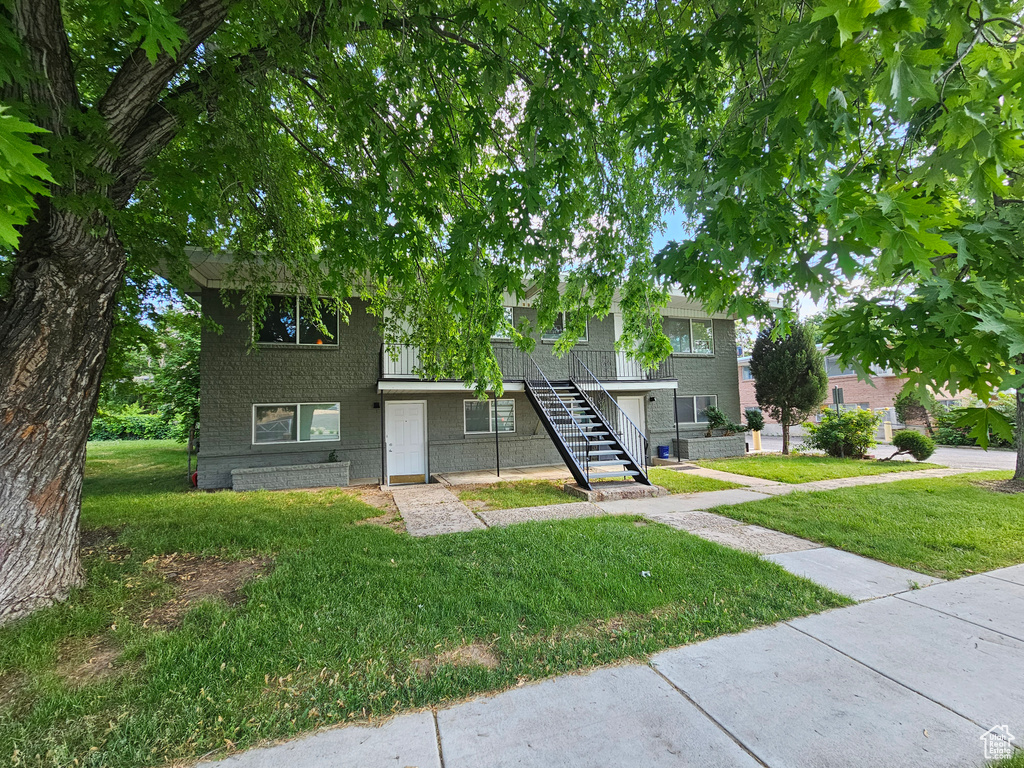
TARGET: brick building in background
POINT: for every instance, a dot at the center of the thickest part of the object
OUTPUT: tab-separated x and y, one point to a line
875	392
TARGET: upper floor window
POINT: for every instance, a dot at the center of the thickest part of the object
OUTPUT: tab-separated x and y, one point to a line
291	320
833	368
690	337
748	375
552	334
504	332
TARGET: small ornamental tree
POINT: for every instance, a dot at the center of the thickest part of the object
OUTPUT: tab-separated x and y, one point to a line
789	377
910	407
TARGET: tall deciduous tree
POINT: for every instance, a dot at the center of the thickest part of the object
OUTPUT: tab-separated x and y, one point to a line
867	147
431	157
790	381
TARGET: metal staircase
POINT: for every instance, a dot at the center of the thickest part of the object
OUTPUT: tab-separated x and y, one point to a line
592	434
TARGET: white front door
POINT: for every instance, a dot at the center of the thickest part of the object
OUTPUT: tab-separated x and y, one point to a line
406	441
634	408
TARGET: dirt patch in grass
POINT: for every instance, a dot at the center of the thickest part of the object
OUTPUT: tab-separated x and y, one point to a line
374	496
469	655
99	537
392	520
1002	486
201	578
11	684
89	660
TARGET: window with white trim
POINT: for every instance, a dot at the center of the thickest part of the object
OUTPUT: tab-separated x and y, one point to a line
692	409
833	368
296	423
504	332
552	334
748	375
689	336
479	417
291	320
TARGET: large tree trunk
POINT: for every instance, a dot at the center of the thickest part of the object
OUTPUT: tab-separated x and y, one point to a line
785	439
55	326
1019	435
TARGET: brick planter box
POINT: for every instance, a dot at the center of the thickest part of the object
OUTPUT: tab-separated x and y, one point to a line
710	447
329	475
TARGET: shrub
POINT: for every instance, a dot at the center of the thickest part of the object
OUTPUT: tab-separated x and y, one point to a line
917	445
132	424
849	434
718	420
755	419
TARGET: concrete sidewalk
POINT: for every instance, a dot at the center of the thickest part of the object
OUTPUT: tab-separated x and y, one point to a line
907	681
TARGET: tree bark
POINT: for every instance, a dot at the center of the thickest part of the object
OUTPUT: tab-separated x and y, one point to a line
785	439
55	326
1018	433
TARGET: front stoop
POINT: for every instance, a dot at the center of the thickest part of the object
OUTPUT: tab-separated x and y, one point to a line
610	491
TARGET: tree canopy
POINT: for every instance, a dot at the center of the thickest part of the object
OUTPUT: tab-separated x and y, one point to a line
867	152
428	157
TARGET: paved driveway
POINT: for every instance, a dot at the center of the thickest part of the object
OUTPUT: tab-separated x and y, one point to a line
950	456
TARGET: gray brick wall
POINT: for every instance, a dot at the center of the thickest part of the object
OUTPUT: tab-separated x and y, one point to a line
332	474
234	379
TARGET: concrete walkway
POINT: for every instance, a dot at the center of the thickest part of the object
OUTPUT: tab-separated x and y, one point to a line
909	681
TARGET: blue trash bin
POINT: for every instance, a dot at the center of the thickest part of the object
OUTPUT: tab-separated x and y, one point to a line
662	451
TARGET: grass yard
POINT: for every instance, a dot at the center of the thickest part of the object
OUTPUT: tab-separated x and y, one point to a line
806	469
344	621
684	482
518	493
947	527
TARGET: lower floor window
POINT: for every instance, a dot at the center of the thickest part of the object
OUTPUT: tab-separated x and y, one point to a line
480	418
693	409
296	422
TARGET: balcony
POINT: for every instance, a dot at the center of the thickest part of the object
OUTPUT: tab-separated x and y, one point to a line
400	363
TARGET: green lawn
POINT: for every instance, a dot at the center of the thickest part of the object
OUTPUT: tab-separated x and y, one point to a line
684	482
946	527
337	629
518	493
805	469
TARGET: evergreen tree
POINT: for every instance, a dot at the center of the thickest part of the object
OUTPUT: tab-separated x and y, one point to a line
789	377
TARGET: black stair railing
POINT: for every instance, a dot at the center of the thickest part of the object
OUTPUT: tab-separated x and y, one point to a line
572	435
630	436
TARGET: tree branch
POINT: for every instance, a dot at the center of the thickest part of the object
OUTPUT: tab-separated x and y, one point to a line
39	25
138	83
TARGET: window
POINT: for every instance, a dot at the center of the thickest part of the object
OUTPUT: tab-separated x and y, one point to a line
833	368
692	409
479	416
555	331
290	320
296	422
690	337
703	337
504	333
747	373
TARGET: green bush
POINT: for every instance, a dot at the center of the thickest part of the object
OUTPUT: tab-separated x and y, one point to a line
947	433
916	444
850	433
755	419
718	420
132	424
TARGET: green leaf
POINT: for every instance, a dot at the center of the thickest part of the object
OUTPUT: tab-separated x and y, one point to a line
984	422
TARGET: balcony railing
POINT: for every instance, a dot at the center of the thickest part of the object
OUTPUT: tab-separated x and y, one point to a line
402	361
